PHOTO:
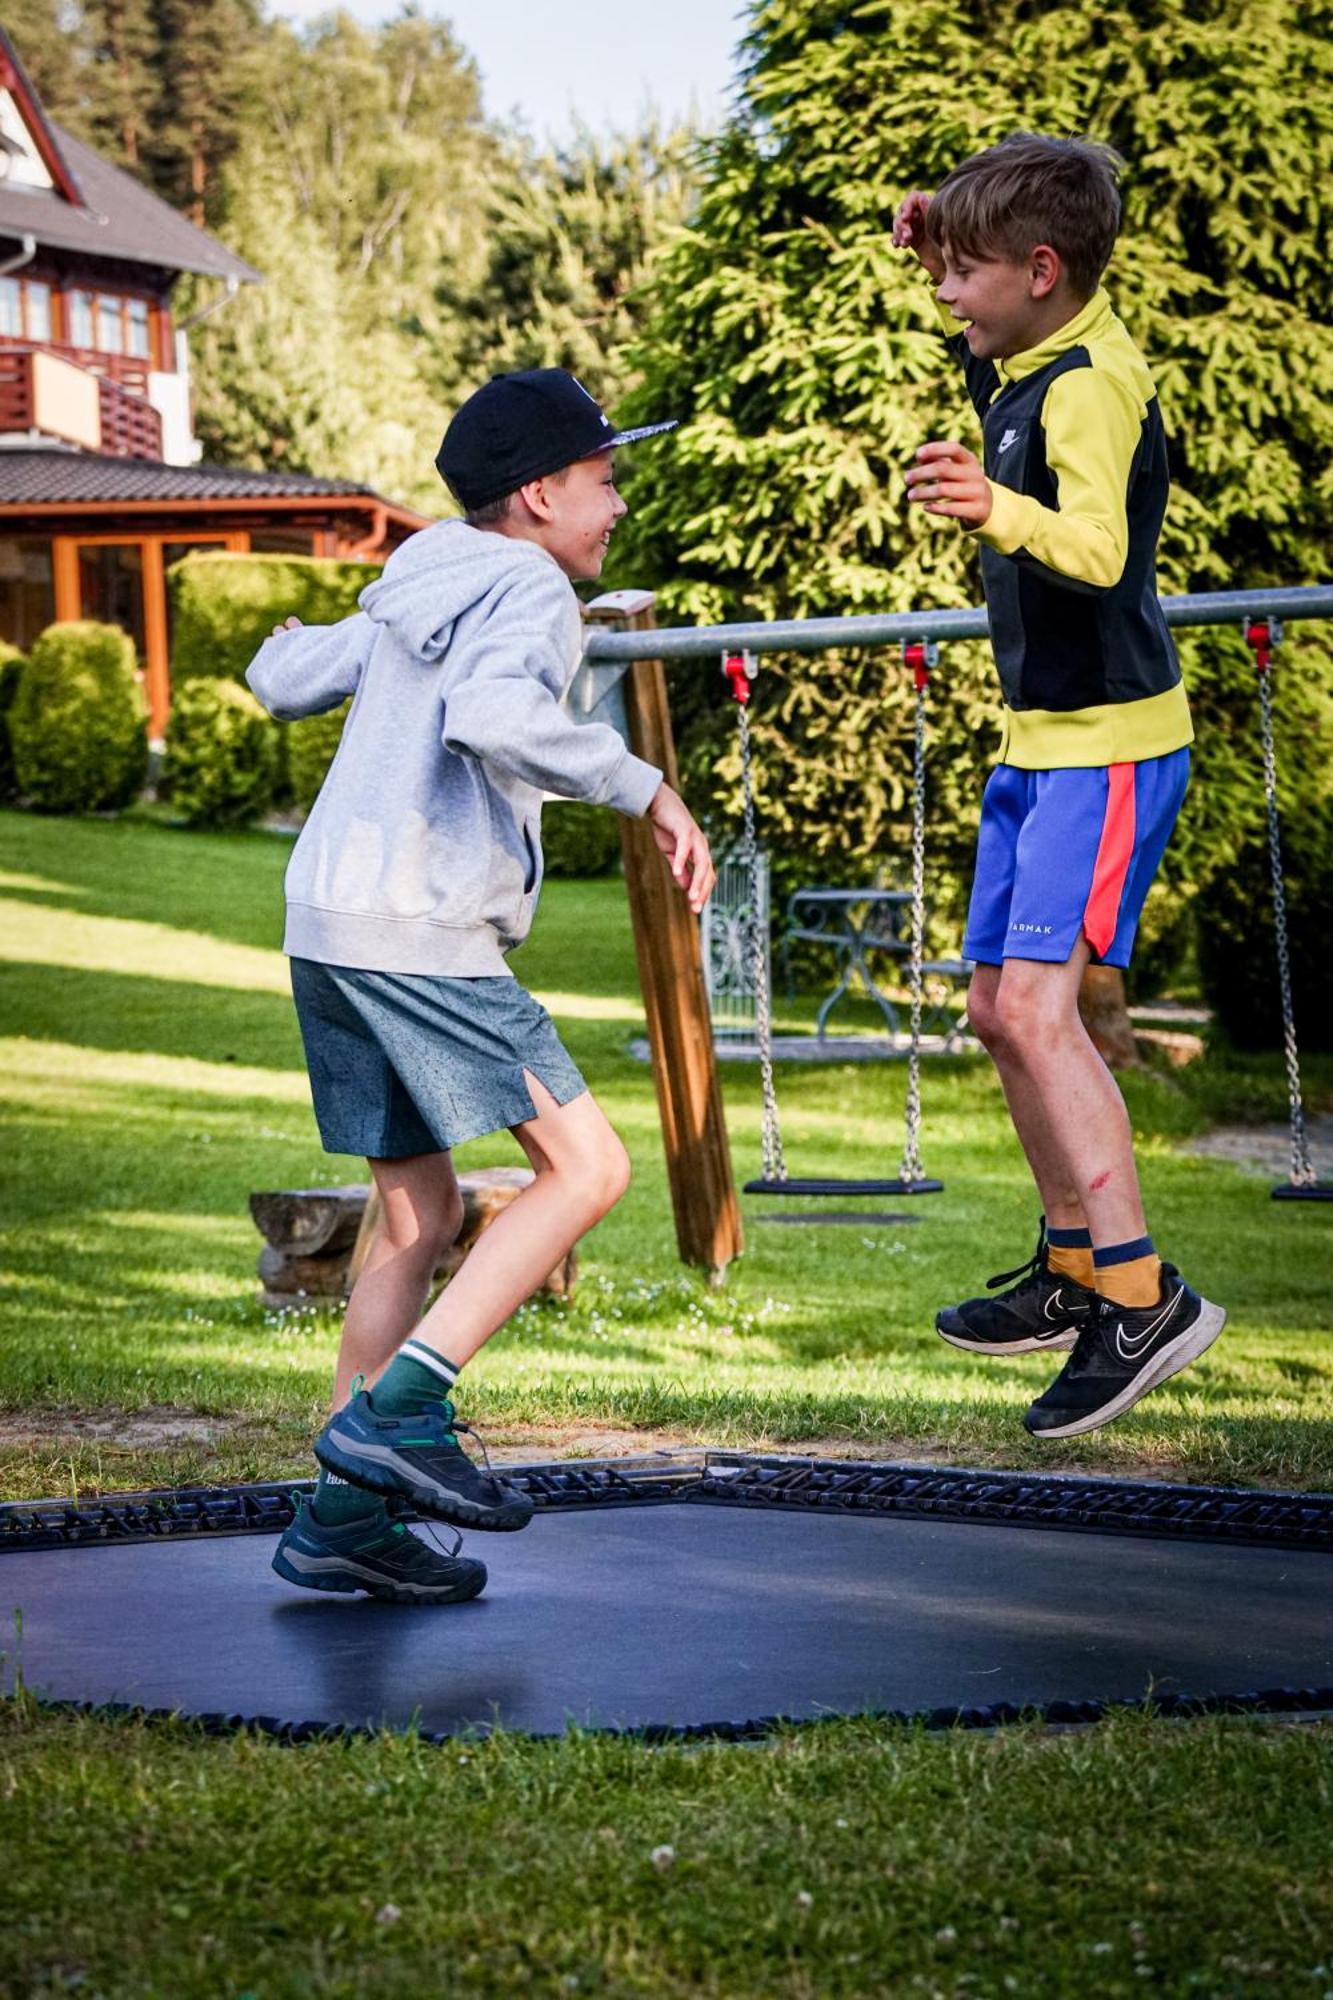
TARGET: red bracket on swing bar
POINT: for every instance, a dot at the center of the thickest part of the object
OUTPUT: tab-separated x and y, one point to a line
1263	636
740	669
920	655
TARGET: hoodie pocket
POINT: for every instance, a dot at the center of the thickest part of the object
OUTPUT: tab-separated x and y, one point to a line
532	873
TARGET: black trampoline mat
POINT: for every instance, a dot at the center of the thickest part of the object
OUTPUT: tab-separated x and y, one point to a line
684	1615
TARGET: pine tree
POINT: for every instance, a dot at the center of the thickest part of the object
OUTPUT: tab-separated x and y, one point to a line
124	45
571	233
210	52
803	351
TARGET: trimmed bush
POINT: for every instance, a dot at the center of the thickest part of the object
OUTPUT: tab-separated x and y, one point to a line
221	758
1237	947
311	745
226	606
79	722
12	663
580	841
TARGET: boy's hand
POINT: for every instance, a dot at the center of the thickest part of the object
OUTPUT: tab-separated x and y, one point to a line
947	479
287	625
681	839
910	233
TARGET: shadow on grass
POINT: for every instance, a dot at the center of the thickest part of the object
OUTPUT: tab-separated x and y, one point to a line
146	1016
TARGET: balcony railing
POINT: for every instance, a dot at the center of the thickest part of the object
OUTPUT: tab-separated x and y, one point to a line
131	371
77	405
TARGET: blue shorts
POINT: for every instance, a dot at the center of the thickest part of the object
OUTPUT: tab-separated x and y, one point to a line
1068	854
405	1063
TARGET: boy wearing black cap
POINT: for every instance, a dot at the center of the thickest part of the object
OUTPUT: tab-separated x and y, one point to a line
417	870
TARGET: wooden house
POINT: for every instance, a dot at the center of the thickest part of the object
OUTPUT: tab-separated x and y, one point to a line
101	484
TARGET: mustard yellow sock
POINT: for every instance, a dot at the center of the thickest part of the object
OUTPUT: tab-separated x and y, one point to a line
1129	1274
1069	1255
1074	1264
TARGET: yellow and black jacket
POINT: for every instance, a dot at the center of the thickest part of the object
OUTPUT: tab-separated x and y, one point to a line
1075	453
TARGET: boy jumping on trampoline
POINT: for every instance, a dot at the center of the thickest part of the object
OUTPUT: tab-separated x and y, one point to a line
1066	507
416	872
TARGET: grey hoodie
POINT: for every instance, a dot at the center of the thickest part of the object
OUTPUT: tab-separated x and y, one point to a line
422	853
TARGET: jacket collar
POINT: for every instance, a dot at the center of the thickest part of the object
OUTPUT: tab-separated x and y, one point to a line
1091	319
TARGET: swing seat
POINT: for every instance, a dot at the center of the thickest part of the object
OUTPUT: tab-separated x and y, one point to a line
1303	1191
833	1187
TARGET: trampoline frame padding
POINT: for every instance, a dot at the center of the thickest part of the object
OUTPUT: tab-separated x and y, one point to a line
736	1479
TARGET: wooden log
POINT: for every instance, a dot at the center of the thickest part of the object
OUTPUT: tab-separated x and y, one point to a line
289	1274
309	1222
1105	1015
666	943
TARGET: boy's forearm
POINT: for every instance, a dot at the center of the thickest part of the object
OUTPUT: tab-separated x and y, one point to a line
311	669
513	721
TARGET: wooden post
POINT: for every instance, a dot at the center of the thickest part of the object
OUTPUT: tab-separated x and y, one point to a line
666	941
156	654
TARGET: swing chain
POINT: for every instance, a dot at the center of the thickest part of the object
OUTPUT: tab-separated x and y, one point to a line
1263	636
740	669
920	656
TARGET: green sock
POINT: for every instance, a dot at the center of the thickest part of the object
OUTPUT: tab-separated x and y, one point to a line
335	1501
416	1380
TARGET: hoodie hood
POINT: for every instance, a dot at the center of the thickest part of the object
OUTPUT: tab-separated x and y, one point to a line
434	578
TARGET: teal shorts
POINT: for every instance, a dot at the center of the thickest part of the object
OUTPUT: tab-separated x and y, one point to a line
405	1063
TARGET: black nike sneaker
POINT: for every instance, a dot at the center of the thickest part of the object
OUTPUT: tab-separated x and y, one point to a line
1123	1353
1041	1310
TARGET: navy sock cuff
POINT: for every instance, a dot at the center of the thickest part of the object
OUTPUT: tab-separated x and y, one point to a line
1122	1253
1069	1239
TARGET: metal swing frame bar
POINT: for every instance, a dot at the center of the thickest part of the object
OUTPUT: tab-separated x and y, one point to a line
622	681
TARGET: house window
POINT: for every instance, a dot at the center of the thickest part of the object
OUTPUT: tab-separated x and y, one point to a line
11	308
37	303
111	586
80	319
27	592
110	331
136	326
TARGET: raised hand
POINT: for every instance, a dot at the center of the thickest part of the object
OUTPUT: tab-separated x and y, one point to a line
681	839
947	479
910	232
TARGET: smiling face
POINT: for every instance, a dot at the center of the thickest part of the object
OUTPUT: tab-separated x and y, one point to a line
1007	306
574	513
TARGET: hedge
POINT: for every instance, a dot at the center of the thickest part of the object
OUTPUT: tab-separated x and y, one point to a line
79	722
1238	948
579	841
12	663
221	759
226	606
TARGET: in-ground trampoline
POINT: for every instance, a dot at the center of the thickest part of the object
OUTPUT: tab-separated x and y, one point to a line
709	1594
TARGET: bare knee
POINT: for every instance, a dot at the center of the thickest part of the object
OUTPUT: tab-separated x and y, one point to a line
421	1236
983	1013
1027	1020
602	1177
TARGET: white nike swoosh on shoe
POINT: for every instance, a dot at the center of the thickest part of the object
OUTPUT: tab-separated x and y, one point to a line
1131	1346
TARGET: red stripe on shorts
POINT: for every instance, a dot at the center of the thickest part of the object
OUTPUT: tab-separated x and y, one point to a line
1101	912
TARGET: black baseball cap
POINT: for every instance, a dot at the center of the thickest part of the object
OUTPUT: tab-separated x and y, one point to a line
522	426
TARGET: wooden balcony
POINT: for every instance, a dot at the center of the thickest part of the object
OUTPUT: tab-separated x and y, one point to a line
131	371
47	390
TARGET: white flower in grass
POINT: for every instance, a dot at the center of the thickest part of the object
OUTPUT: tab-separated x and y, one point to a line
804	1900
388	1913
663	1858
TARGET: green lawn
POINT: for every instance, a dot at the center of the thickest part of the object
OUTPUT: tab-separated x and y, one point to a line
151	1077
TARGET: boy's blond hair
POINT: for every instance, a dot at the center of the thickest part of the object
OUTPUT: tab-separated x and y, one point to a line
1030	189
